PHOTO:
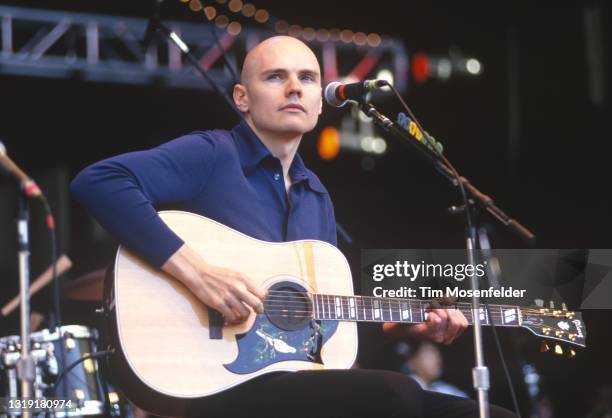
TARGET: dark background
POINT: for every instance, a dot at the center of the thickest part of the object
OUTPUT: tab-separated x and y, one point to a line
557	185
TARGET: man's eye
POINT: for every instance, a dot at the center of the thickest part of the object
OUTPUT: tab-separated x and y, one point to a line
274	76
308	77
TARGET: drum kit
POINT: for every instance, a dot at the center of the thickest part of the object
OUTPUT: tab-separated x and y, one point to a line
68	378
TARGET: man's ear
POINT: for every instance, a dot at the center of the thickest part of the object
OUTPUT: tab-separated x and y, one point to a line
321	106
241	98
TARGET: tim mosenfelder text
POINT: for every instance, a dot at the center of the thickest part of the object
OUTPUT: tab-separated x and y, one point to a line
459	272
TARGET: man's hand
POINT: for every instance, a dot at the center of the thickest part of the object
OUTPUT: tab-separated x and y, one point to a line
442	326
227	291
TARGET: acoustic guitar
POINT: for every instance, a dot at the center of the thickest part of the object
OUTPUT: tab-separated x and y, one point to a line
170	349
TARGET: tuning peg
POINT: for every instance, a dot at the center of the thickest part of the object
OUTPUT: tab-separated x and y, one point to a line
572	337
571	353
544	347
546	330
563	306
558	349
539	303
559	333
552	305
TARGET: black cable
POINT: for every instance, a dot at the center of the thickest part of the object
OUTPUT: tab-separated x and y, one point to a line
472	235
502	359
230	67
82	359
53	243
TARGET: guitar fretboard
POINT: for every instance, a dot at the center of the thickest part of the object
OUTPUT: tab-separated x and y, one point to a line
410	311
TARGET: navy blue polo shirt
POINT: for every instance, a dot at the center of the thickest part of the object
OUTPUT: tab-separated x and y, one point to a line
228	176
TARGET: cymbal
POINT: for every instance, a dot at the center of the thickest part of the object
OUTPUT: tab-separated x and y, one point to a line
87	288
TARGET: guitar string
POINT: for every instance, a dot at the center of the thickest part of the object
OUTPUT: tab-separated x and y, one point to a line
308	314
396	308
300	300
326	306
303	296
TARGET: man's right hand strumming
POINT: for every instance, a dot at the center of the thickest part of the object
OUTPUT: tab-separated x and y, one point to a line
225	290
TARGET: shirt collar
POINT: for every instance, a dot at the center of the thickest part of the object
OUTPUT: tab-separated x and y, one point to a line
252	152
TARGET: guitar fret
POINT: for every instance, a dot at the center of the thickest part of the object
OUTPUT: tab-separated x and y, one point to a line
364	309
373	309
397	311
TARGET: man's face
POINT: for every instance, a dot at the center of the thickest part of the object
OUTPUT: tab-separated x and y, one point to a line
281	88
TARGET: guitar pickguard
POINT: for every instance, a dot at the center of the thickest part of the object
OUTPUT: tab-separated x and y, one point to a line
265	344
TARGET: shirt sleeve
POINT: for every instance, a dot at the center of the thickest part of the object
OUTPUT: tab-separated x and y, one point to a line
121	192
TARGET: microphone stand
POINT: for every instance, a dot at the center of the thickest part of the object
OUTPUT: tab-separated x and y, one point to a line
480	373
173	37
25	365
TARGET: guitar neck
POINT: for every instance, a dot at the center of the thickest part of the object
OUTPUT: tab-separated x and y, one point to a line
409	311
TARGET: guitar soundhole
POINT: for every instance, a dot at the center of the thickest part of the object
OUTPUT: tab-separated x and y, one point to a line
288	306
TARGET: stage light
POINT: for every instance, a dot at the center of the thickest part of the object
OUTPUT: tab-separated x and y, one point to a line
234	28
346	36
360	38
334	34
262	16
366	143
473	66
195	5
387	75
281	26
235	5
374	40
379	146
420	67
323	35
210	12
248	10
444	68
329	143
308	34
295	30
221	21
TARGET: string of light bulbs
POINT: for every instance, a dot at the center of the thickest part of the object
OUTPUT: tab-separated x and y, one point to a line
263	17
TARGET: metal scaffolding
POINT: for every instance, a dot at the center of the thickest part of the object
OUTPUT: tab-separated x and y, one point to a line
101	48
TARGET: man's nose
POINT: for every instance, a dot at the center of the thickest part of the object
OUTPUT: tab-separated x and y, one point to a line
294	87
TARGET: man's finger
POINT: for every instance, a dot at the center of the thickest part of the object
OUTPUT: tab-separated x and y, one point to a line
254	289
252	300
452	329
237	306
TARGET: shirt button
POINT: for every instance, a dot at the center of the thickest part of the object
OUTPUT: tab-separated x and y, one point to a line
276	176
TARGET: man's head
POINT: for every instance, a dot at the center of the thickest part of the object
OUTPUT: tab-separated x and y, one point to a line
280	88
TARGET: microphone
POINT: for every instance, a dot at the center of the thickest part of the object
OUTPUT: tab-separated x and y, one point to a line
337	94
152	25
30	188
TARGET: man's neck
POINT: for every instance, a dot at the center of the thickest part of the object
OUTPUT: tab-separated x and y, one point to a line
282	146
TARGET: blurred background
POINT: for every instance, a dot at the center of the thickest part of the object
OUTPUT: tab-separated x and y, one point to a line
518	93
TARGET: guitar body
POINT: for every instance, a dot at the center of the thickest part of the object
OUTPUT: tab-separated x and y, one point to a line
166	355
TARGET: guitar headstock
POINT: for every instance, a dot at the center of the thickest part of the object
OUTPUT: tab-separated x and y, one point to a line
560	325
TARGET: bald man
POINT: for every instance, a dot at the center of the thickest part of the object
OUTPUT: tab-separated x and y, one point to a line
252	179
